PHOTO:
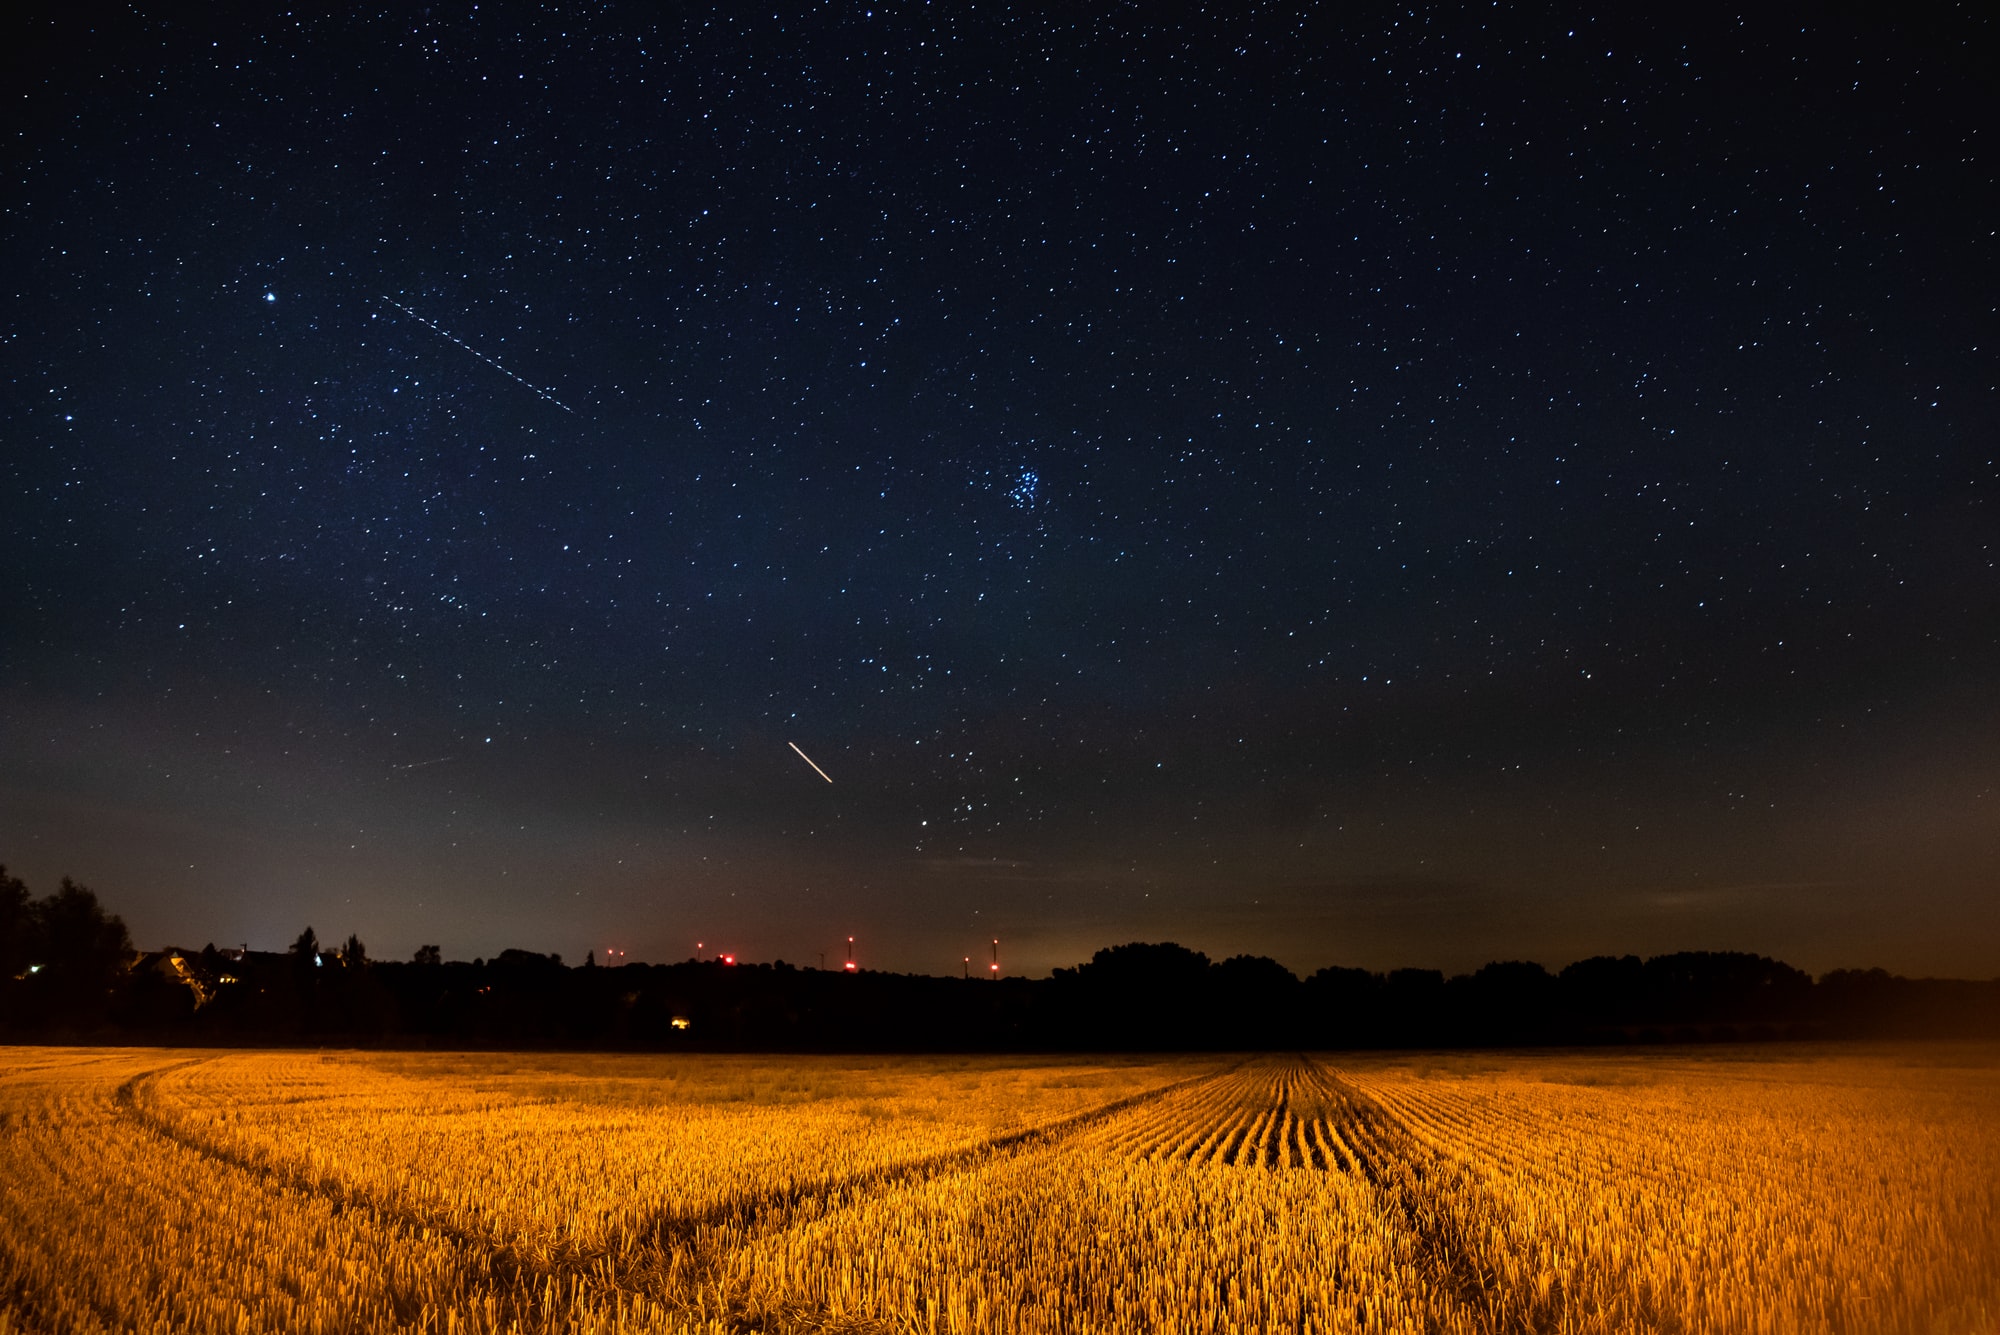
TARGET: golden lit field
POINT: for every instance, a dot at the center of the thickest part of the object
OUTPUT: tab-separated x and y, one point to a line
1794	1189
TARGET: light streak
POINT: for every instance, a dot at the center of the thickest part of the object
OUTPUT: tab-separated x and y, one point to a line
442	332
809	760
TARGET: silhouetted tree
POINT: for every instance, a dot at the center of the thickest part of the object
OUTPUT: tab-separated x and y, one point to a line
14	943
1138	995
13	926
1510	1001
352	998
81	952
1256	1000
526	960
427	955
1604	990
1413	1007
1343	1006
308	969
77	935
1702	986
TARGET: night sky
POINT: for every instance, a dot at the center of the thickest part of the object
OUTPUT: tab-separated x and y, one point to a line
1368	487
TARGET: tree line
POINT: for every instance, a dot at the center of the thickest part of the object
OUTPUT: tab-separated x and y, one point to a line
68	973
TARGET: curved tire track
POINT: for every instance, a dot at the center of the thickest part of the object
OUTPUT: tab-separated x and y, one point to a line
682	1248
755	1213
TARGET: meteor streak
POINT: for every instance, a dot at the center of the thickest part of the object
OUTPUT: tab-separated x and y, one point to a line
442	332
809	760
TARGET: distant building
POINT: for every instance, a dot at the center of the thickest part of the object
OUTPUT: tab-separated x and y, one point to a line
177	966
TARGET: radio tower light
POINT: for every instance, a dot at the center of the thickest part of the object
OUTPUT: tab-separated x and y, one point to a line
994	967
851	966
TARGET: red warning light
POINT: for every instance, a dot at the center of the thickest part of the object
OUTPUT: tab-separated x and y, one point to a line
729	959
852	967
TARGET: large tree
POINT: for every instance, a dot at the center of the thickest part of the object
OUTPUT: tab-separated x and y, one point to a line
66	954
76	935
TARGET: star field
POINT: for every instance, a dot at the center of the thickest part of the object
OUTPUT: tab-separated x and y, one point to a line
1368	486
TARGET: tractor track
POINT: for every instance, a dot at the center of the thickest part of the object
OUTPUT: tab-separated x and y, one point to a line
1438	1203
757	1212
681	1249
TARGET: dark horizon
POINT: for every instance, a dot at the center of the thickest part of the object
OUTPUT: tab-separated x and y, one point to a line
833	961
1364	487
68	974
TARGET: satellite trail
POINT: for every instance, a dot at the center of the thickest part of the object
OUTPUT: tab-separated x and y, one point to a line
809	760
442	332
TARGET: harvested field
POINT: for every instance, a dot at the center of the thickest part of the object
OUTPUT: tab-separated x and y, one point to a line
1731	1190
